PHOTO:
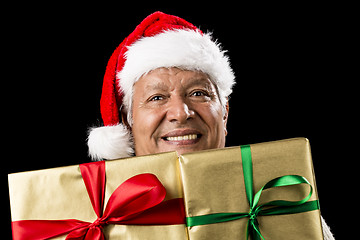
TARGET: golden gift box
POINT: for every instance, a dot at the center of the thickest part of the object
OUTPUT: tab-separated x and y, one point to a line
210	182
60	194
214	185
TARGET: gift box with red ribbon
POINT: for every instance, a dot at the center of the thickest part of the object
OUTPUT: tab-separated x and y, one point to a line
137	198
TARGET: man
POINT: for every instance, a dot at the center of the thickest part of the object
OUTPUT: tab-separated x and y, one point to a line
166	88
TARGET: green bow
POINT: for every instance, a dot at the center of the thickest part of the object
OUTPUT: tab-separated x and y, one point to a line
276	207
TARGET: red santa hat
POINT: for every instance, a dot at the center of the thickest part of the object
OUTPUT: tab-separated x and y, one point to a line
160	40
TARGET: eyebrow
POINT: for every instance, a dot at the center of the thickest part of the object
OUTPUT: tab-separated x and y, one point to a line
159	85
156	86
200	81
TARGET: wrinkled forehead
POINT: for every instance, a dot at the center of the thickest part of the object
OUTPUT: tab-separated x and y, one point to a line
169	78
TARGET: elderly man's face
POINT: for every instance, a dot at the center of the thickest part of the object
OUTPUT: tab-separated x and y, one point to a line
175	109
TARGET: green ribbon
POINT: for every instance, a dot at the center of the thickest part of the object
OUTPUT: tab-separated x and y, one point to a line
276	207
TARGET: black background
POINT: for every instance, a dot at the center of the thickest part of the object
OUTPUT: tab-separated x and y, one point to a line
292	64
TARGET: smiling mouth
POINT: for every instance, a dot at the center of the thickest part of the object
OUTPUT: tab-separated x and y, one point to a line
183	138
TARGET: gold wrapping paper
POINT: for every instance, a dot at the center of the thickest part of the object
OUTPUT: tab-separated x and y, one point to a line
213	183
60	193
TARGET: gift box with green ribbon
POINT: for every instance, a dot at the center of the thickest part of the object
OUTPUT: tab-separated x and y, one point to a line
257	191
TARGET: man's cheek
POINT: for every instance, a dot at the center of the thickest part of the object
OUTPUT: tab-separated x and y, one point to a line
145	126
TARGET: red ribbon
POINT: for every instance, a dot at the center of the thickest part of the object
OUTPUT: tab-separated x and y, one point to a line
137	201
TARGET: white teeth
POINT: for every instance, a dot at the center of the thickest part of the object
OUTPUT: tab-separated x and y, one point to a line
181	138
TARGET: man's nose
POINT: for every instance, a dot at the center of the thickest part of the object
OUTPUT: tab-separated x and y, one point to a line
179	111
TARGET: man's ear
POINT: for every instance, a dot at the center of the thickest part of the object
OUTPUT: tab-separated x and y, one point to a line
225	118
124	119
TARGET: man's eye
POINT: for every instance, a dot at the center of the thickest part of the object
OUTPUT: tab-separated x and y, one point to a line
156	98
198	94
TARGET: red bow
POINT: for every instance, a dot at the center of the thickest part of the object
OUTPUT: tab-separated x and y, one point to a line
137	201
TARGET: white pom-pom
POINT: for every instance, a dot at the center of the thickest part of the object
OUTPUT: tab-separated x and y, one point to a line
110	142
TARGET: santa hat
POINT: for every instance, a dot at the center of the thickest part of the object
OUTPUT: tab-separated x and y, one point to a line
160	40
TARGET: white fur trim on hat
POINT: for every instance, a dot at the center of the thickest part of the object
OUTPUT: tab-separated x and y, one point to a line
110	142
186	49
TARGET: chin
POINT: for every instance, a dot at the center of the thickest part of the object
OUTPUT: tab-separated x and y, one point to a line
182	150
